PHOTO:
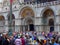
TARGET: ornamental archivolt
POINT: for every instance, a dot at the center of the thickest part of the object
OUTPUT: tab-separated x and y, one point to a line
27	12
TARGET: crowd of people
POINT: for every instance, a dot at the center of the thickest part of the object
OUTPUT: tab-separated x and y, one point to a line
30	38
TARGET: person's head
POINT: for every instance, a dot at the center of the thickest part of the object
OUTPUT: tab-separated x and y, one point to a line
40	43
21	36
57	41
45	41
48	40
53	40
11	37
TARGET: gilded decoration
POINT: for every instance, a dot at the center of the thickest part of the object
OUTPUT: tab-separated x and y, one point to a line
27	12
48	12
1	18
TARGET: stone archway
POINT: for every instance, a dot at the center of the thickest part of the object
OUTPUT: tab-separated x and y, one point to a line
29	23
2	23
47	15
26	14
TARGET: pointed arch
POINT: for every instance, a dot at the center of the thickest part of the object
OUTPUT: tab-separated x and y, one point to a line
46	16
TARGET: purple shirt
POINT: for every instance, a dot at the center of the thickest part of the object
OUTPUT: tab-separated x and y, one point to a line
17	42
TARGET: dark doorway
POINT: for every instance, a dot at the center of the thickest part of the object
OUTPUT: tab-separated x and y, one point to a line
51	24
31	27
51	28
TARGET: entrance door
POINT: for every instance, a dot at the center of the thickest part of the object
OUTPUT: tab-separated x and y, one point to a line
51	28
31	27
51	24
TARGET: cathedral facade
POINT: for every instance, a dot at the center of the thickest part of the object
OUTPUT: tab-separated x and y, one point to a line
31	15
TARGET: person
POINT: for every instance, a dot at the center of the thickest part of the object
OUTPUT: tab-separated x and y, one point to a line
18	41
22	40
56	42
35	42
40	43
4	40
11	40
0	40
52	41
44	42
